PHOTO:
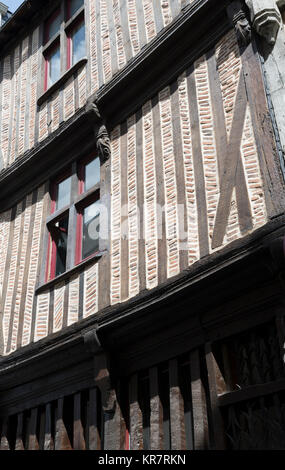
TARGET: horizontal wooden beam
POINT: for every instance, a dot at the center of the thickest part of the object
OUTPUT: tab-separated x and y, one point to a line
248	393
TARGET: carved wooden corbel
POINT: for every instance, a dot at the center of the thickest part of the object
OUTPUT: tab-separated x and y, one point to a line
265	18
101	371
101	134
240	22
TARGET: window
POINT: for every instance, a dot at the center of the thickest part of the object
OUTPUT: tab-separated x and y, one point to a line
74	223
64	36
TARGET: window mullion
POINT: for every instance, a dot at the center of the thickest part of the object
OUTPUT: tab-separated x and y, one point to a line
72	225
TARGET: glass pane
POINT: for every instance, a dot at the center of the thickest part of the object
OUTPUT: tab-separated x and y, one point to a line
92	173
78	43
60	237
91	227
52	26
74	5
63	193
54	66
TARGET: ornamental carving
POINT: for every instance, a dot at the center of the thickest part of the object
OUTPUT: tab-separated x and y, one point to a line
265	17
101	134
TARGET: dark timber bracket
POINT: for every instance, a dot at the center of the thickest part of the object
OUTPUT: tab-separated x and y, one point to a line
101	370
100	131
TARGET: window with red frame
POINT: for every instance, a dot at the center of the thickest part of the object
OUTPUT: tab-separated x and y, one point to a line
74	223
64	35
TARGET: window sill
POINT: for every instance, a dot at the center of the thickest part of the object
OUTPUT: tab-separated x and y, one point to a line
62	277
61	81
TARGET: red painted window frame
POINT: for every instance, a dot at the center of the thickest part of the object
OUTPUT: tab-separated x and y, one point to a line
72	27
52	248
81	190
47	61
90	198
79	227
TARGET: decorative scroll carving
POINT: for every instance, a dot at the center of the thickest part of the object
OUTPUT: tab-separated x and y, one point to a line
101	134
240	23
266	18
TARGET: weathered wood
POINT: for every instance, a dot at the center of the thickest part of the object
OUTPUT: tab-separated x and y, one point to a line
51	312
105	262
113	435
28	95
175	7
250	392
19	253
42	424
49	432
113	40
11	106
158	19
230	169
81	296
99	44
4	443
140	199
78	431
263	131
6	275
26	271
88	46
177	424
218	110
62	441
124	215
125	30
198	164
198	402
93	421
216	386
136	422
40	78
20	444
156	412
180	178
76	90
141	23
17	105
33	443
161	228
243	205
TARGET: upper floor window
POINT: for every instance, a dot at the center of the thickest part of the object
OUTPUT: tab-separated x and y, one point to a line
64	40
74	223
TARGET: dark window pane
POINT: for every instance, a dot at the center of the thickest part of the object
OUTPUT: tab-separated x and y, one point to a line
60	234
78	43
91	227
92	173
74	5
63	193
52	26
53	66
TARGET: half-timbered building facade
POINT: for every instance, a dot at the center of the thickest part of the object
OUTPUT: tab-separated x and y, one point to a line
142	225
